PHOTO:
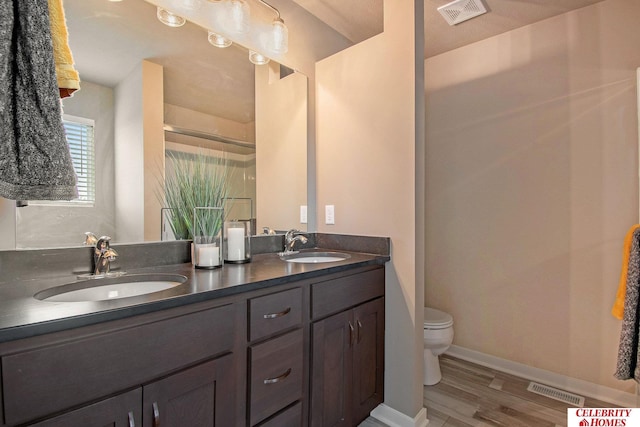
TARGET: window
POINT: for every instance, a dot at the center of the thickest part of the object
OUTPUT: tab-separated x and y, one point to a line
79	132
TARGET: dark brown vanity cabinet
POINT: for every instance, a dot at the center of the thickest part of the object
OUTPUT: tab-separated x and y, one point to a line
123	410
198	396
177	364
306	353
347	349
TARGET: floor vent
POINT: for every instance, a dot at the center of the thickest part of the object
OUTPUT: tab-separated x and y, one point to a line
461	10
554	393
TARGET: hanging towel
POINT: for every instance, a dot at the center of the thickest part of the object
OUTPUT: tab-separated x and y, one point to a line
618	306
627	366
67	75
35	163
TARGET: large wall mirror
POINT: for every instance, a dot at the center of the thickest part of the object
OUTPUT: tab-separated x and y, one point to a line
149	90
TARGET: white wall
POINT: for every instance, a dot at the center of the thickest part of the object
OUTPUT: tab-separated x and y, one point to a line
532	183
368	156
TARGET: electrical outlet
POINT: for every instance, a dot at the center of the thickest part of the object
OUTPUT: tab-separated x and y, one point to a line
303	214
329	215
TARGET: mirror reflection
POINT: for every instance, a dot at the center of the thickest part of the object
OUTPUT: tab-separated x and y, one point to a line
148	91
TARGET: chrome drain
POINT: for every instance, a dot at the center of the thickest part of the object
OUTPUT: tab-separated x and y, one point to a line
556	394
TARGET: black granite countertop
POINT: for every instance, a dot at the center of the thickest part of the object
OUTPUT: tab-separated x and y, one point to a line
22	315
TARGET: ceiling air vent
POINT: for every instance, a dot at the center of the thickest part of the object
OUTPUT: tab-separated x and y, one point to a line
461	10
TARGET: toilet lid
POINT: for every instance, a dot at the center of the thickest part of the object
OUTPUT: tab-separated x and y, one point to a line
436	319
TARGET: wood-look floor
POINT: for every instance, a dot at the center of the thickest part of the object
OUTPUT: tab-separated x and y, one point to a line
473	395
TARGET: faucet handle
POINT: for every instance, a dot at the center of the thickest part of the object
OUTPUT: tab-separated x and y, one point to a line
90	239
110	254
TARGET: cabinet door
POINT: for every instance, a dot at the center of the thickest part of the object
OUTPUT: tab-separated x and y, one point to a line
331	371
197	397
120	411
368	358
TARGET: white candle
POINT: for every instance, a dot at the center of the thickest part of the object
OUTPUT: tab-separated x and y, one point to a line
235	244
208	255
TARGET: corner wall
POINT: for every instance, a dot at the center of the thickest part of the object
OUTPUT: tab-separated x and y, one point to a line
139	153
366	167
532	183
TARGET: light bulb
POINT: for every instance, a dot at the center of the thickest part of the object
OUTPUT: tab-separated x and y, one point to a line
218	41
238	13
258	58
169	18
279	38
191	5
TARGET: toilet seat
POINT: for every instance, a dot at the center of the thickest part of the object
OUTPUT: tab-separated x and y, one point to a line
436	319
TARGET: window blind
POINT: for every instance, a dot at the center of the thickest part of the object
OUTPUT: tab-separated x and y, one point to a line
80	137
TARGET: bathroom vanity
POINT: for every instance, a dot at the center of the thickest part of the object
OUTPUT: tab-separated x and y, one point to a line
269	343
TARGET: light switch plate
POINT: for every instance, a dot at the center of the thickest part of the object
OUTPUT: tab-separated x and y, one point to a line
303	214
329	215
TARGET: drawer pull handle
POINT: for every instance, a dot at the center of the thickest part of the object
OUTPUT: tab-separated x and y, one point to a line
278	378
132	421
156	415
359	331
276	315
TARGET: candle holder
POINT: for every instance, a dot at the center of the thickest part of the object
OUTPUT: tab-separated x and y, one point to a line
237	241
207	237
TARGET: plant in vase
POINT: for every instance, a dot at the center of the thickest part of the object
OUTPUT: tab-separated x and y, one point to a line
195	181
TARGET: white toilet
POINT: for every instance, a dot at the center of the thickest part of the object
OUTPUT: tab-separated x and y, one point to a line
438	336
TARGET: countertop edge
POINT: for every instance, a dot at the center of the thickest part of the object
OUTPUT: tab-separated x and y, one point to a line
27	330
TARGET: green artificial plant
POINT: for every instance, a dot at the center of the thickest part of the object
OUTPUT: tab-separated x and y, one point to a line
191	181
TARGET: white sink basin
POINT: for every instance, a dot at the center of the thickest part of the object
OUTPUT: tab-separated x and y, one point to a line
315	257
111	288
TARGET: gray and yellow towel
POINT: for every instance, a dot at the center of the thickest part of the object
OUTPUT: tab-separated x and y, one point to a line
35	163
67	76
628	366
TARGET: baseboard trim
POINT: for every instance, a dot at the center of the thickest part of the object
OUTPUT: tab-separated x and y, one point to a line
585	388
393	418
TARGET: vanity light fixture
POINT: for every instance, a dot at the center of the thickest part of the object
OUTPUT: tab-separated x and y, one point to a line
191	4
257	58
238	15
169	18
278	41
218	40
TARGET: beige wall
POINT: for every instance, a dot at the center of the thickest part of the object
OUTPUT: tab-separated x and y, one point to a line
281	149
366	167
532	183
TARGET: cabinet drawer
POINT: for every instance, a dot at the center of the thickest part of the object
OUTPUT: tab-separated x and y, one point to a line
290	417
342	293
119	411
273	313
275	374
49	379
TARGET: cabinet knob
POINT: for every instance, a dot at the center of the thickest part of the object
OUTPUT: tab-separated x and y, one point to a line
276	315
278	378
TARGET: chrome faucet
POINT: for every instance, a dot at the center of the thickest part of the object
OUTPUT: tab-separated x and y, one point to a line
103	253
290	240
